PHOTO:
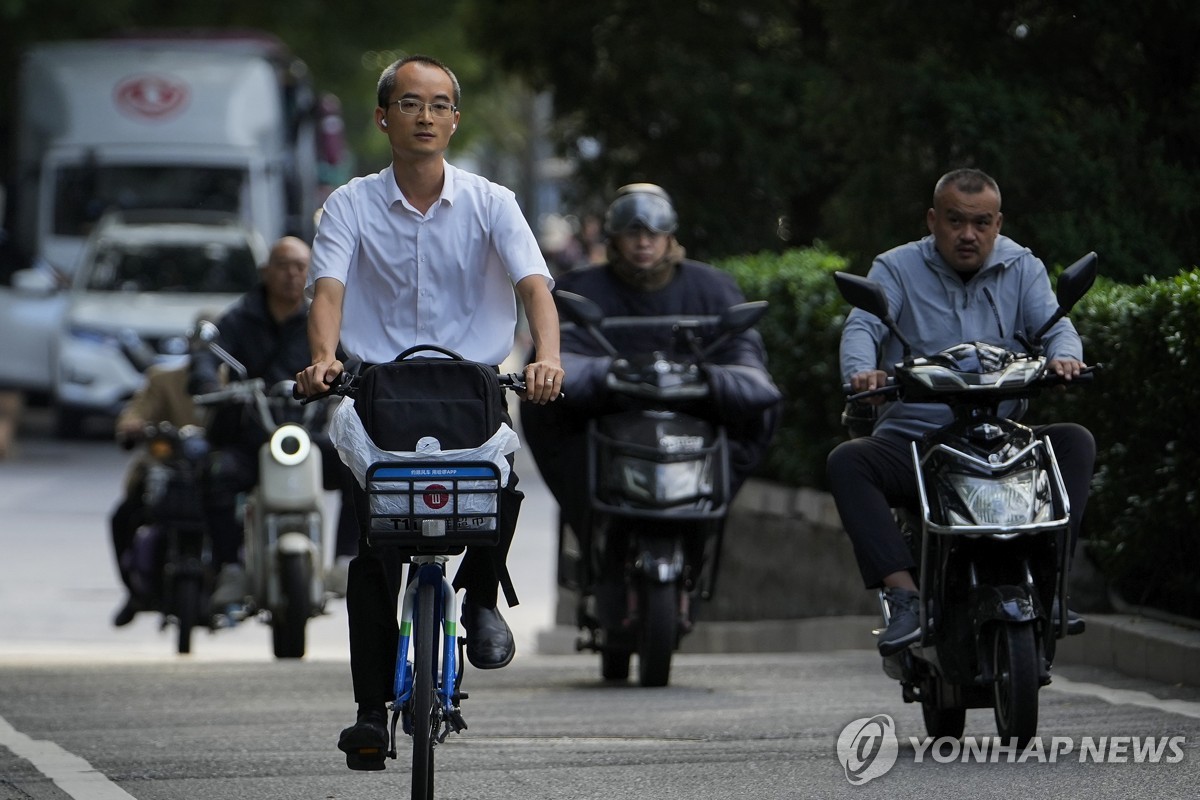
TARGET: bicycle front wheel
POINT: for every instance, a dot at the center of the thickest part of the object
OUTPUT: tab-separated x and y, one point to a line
424	699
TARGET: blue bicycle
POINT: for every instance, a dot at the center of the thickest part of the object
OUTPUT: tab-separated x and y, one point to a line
433	505
430	509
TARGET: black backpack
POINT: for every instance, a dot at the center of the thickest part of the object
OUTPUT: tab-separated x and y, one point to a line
458	402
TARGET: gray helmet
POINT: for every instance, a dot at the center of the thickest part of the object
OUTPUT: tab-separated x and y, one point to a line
640	205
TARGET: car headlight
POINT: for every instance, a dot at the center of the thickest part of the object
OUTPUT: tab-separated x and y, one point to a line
1015	499
93	335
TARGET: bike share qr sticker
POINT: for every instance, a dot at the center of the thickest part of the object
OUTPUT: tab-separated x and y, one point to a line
867	748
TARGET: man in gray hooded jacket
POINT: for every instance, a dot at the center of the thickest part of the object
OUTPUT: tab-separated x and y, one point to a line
963	282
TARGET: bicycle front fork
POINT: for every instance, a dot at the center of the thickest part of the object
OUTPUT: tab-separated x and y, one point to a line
429	570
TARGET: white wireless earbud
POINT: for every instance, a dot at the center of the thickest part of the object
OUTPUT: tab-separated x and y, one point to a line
383	122
454	126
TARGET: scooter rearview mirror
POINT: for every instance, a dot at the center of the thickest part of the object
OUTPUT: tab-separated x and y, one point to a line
1073	284
735	320
586	314
866	294
743	316
862	293
579	309
1075	281
207	331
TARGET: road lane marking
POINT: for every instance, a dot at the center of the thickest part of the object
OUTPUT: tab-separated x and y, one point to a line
79	779
1126	697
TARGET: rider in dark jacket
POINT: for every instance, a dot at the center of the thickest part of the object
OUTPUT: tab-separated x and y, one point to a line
266	330
644	289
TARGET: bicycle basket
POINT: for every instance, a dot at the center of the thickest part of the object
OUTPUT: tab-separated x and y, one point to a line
433	506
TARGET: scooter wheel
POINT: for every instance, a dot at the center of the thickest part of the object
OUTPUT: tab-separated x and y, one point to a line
659	633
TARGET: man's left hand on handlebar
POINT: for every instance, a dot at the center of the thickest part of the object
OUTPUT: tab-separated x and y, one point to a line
543	381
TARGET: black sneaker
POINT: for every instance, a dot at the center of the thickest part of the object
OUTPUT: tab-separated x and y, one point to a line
905	625
1075	623
365	743
127	612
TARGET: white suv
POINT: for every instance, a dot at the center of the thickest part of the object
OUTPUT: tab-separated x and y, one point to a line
143	279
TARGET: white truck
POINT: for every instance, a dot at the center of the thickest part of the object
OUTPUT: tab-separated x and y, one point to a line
219	123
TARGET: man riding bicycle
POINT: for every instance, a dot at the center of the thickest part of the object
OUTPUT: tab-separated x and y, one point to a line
424	253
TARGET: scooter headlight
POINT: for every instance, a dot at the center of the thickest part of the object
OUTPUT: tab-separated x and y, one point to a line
290	445
1016	499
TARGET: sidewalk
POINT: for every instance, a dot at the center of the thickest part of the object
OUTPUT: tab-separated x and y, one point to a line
1137	646
809	559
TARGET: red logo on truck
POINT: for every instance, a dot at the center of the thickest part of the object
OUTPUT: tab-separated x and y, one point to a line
150	97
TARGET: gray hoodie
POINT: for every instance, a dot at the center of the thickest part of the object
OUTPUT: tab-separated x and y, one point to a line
934	310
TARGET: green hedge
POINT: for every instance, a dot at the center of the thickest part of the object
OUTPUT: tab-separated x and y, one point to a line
801	330
1143	519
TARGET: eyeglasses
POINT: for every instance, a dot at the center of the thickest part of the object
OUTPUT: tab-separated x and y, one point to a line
438	108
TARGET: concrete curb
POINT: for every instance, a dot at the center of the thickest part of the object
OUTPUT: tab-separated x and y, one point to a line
1136	646
810	571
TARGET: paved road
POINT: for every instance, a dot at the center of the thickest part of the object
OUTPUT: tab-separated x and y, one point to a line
729	726
55	497
92	713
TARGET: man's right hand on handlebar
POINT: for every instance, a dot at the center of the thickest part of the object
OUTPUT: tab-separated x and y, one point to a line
318	377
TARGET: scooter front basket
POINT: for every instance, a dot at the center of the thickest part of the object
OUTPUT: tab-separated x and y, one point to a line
648	466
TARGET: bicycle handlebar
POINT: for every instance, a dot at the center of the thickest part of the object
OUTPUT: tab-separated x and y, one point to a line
346	385
240	391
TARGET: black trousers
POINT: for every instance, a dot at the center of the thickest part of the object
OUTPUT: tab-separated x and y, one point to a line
873	474
123	523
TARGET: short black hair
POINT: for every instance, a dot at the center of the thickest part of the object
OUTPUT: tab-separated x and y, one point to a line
971	181
387	79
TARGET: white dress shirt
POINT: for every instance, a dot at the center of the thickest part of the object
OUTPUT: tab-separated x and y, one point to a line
445	277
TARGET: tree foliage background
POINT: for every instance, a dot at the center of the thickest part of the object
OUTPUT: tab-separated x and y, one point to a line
777	123
344	48
780	122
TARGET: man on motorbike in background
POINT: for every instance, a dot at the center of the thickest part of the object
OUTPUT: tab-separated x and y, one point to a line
266	330
162	398
647	277
962	282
